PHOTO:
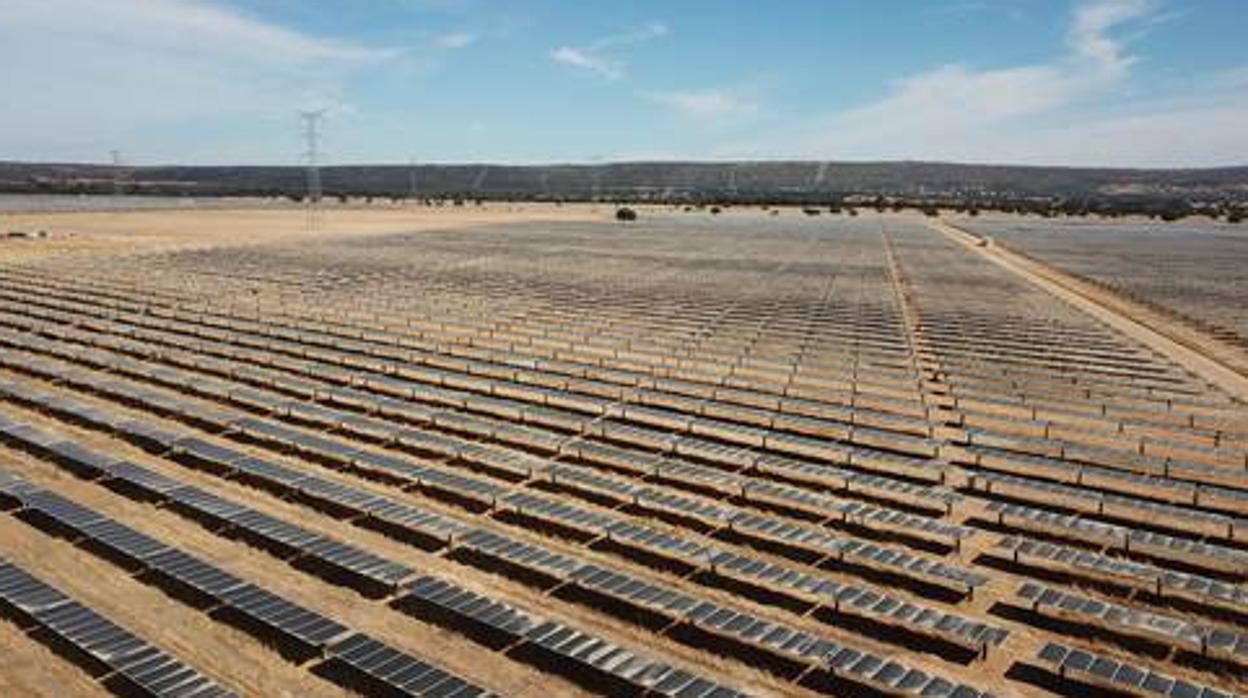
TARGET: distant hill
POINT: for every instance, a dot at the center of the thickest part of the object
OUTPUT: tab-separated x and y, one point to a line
673	180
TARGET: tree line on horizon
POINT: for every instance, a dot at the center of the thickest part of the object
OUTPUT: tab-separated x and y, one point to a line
1160	207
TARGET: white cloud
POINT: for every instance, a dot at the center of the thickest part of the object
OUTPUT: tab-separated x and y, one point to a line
186	26
954	97
648	31
708	104
82	76
1178	136
588	59
591	57
1089	33
1074	109
455	40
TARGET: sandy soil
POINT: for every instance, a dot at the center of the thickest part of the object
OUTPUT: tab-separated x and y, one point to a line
34	671
105	232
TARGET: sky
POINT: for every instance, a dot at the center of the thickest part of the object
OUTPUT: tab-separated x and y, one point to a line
1137	83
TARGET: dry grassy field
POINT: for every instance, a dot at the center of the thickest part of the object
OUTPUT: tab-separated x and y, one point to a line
530	451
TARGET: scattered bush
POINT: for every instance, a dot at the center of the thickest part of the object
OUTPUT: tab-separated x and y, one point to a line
811	211
714	210
625	214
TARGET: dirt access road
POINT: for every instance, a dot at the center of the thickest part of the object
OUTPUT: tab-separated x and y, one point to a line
1204	355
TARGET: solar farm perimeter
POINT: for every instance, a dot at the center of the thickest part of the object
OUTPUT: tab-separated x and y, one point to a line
694	456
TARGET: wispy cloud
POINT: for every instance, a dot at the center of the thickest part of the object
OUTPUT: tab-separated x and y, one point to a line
139	65
589	60
975	9
708	103
455	40
959	7
957	112
954	95
1090	36
190	27
1082	107
593	56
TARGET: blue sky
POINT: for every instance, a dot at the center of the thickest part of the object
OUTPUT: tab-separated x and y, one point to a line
1080	82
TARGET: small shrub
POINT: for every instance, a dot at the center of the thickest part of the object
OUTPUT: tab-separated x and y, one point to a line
625	214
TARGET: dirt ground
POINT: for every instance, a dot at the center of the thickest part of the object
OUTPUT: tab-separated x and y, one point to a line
112	232
31	669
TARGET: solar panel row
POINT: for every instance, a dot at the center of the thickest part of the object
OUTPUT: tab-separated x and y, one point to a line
1118	675
534	559
298	631
1213	640
124	658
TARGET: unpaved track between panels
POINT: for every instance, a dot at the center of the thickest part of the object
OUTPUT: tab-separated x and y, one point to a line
1212	359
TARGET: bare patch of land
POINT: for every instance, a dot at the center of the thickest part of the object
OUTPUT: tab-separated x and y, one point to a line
108	232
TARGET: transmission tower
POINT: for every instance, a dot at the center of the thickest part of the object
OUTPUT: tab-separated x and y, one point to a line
312	136
411	178
119	174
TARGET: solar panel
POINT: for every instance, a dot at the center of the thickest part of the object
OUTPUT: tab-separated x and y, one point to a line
1171	630
1120	675
532	558
144	666
1200	589
83	462
500	622
1090	501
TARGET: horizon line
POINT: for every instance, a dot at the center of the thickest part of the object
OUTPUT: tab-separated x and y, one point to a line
632	162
